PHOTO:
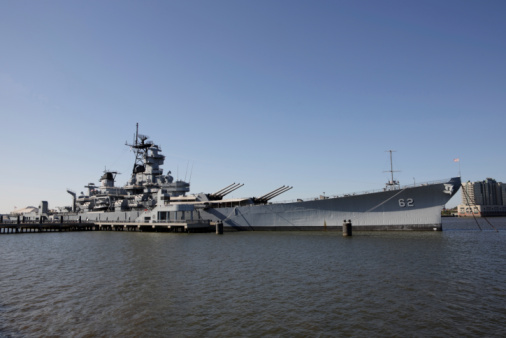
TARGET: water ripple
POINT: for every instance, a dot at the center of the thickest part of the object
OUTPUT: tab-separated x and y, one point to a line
281	284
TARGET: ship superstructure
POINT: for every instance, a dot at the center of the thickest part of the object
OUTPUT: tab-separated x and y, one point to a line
142	189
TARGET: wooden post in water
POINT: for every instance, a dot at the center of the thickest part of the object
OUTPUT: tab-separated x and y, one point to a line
347	228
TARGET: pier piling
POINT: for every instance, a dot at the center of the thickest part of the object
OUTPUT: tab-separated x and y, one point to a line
347	232
219	228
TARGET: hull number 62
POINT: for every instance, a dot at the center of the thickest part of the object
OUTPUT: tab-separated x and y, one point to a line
408	202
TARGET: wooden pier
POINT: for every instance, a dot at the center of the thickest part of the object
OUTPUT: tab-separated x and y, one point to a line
185	227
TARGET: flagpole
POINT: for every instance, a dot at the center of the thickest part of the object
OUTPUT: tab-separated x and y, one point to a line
458	160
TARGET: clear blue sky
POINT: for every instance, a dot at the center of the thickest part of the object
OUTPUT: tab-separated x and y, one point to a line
266	93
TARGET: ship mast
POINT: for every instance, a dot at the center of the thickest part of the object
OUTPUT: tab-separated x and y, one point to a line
392	184
138	158
140	149
136	132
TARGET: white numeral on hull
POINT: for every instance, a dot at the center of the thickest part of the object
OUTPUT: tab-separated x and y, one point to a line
408	202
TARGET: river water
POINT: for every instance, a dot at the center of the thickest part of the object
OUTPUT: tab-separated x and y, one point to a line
282	284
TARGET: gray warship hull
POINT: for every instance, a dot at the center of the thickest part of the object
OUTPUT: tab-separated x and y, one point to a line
407	208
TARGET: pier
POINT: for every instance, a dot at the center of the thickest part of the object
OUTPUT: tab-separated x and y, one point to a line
181	227
195	226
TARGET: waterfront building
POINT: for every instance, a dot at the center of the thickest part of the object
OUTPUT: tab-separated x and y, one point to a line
485	198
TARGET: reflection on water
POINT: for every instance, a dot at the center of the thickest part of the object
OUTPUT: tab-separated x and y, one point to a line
255	283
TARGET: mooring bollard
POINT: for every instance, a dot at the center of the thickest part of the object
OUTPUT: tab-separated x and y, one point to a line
347	228
219	228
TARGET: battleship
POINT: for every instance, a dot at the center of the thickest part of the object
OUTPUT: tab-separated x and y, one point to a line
150	196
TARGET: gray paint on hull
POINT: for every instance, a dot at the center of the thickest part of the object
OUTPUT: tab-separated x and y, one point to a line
380	211
373	211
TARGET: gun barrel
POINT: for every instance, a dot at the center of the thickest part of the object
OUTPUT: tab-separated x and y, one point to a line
225	191
221	190
229	190
282	191
274	193
269	193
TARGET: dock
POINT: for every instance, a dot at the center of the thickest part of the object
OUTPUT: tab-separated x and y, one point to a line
192	226
181	227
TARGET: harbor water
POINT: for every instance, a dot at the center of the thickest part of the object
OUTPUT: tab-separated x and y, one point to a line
282	284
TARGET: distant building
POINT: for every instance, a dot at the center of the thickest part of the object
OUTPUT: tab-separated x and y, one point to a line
485	198
24	211
30	213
